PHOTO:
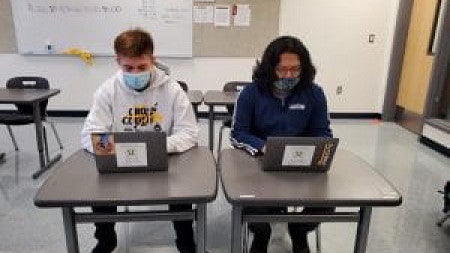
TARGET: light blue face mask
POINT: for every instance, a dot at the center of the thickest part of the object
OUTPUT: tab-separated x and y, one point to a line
136	81
286	84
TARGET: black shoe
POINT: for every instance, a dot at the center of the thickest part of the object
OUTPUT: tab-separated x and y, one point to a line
99	248
259	245
106	243
300	247
256	250
2	157
189	250
303	250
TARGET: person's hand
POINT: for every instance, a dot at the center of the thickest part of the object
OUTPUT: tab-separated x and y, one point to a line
100	149
263	150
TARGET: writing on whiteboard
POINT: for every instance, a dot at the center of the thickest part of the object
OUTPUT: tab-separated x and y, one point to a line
76	9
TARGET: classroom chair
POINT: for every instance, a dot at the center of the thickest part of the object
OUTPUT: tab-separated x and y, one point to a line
24	113
233	86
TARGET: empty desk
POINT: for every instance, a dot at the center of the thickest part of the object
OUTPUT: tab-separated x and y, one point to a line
351	182
33	97
196	98
214	98
190	179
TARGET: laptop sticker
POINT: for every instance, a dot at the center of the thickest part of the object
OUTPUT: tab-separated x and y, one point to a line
103	144
131	154
296	155
297	107
326	154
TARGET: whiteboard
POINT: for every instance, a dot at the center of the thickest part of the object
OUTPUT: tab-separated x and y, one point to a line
52	26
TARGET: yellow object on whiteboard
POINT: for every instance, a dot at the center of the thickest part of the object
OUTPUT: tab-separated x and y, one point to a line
85	55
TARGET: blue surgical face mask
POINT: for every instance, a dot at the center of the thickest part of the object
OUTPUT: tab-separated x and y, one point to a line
137	81
286	84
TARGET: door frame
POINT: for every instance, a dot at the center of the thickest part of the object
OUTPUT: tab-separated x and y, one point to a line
396	62
441	63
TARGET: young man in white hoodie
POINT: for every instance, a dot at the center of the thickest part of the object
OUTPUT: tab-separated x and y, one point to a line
140	97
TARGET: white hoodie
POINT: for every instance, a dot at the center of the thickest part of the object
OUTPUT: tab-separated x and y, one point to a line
119	108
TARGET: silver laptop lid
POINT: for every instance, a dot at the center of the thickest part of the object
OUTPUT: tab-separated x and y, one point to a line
130	151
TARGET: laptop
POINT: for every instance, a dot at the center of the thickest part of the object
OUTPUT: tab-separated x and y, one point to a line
306	154
130	151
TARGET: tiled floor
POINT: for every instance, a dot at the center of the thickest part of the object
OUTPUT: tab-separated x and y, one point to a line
417	172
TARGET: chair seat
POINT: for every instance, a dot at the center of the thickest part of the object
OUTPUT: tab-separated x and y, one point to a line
15	119
227	122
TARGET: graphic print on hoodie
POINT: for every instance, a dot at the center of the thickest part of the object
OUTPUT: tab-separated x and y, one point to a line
141	116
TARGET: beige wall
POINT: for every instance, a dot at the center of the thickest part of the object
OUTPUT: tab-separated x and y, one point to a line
7	36
416	70
336	32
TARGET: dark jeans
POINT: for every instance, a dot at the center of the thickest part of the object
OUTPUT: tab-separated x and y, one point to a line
297	231
107	238
104	231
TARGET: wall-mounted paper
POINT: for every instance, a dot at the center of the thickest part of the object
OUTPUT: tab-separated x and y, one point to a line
222	15
243	14
203	14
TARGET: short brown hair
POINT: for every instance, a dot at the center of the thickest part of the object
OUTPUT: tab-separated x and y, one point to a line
133	43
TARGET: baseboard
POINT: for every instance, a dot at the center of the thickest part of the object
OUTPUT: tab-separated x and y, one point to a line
355	115
204	115
434	145
71	113
333	115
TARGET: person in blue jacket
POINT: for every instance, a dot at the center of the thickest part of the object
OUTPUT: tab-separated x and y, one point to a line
282	100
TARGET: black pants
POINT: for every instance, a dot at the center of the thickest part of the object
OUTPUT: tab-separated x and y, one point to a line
107	238
297	231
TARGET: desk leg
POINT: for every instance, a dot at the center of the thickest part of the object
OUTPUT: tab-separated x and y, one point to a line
363	229
211	127
195	107
71	230
44	165
236	229
201	227
38	124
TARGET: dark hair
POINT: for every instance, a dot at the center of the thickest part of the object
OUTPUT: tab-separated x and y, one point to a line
264	73
133	43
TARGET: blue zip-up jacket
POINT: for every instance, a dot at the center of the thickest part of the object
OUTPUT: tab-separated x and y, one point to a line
259	114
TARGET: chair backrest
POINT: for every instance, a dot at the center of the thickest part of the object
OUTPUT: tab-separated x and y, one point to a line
162	66
183	85
233	86
29	82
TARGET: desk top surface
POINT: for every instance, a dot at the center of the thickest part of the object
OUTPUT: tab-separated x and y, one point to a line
191	178
350	182
216	97
195	96
25	95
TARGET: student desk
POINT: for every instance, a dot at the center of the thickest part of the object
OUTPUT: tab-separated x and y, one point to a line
196	98
351	182
33	97
190	179
214	98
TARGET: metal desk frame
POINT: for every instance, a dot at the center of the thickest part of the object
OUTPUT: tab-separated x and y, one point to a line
71	218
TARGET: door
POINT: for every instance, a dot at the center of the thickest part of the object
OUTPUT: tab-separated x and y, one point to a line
417	65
